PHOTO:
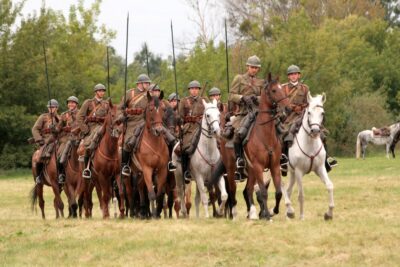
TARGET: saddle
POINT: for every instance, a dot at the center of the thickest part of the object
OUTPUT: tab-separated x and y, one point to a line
384	131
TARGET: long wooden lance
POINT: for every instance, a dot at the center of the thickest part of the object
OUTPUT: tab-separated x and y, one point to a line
108	74
226	57
147	60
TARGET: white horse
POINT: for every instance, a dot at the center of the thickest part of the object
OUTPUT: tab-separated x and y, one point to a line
368	136
308	154
203	161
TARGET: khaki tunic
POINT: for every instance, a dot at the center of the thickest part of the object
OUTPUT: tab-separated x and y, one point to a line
91	117
41	129
68	122
297	95
191	111
134	106
243	85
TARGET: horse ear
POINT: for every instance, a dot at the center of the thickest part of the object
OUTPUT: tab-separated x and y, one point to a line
323	97
148	96
214	102
309	97
161	95
269	77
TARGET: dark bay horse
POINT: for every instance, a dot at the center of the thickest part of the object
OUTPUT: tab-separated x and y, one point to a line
49	178
152	156
262	151
104	165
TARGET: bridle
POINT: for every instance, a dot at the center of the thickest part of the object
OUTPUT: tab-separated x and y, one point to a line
208	132
274	102
309	124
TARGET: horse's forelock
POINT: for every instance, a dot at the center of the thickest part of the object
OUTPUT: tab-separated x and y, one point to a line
316	101
156	101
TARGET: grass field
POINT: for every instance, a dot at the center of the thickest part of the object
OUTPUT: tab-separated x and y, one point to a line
365	230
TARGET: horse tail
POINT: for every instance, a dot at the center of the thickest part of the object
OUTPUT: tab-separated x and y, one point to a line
358	146
218	172
33	196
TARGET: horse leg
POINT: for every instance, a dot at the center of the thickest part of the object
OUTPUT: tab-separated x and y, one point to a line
121	196
197	202
224	196
299	180
276	178
232	193
181	192
147	175
161	184
322	173
289	208
39	193
188	198
203	194
105	187
262	198
252	213
58	203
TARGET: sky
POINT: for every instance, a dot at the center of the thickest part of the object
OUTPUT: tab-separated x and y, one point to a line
149	22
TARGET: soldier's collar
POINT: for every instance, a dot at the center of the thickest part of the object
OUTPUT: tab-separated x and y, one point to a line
98	100
294	84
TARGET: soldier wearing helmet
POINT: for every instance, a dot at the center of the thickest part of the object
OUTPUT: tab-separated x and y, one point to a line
90	118
245	93
297	92
190	111
44	133
66	128
215	93
131	110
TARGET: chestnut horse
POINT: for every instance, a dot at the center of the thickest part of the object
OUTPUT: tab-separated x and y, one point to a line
151	157
262	151
104	165
49	178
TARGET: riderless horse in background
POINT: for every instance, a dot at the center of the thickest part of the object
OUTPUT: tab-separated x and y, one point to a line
378	138
308	154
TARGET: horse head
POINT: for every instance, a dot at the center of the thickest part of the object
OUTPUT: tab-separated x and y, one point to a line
315	113
273	95
154	114
109	123
211	118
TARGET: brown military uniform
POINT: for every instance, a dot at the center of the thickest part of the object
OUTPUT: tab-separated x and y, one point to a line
66	128
297	95
243	85
134	106
90	118
191	111
41	130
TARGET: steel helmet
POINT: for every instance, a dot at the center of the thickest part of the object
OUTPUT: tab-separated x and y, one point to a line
293	69
254	61
154	87
99	87
52	103
173	96
194	84
214	91
143	78
73	99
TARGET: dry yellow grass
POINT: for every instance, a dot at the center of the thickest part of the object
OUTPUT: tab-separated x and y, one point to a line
365	230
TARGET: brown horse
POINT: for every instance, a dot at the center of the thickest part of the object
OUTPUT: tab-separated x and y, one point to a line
263	150
151	157
104	165
74	182
49	175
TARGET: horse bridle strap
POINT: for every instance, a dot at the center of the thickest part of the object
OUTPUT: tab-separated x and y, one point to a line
208	133
310	157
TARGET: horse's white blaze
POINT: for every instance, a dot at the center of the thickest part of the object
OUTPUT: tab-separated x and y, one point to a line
308	154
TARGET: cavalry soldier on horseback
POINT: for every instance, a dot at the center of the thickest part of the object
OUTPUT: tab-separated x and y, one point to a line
215	93
66	128
191	111
245	93
132	110
169	131
44	133
90	119
297	92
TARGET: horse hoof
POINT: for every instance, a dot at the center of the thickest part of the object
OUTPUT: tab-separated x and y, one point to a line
290	215
328	217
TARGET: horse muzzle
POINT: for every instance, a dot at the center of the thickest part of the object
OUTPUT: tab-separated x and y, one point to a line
315	130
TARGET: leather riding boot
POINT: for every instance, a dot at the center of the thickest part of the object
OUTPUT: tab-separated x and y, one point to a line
86	173
125	169
61	173
39	170
185	168
284	161
240	164
329	161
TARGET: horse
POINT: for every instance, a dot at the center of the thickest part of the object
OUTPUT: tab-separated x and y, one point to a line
49	176
203	161
74	181
308	154
104	165
368	136
151	158
263	150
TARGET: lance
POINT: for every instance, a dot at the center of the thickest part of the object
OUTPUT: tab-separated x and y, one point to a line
147	60
108	74
226	57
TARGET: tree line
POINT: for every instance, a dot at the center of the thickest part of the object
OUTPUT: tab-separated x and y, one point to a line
347	49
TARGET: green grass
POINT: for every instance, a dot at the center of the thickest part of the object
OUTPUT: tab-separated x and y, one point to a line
365	230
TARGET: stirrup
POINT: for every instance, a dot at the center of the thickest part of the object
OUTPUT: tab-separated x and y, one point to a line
86	173
240	164
187	176
332	162
38	179
171	166
238	177
126	171
61	178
